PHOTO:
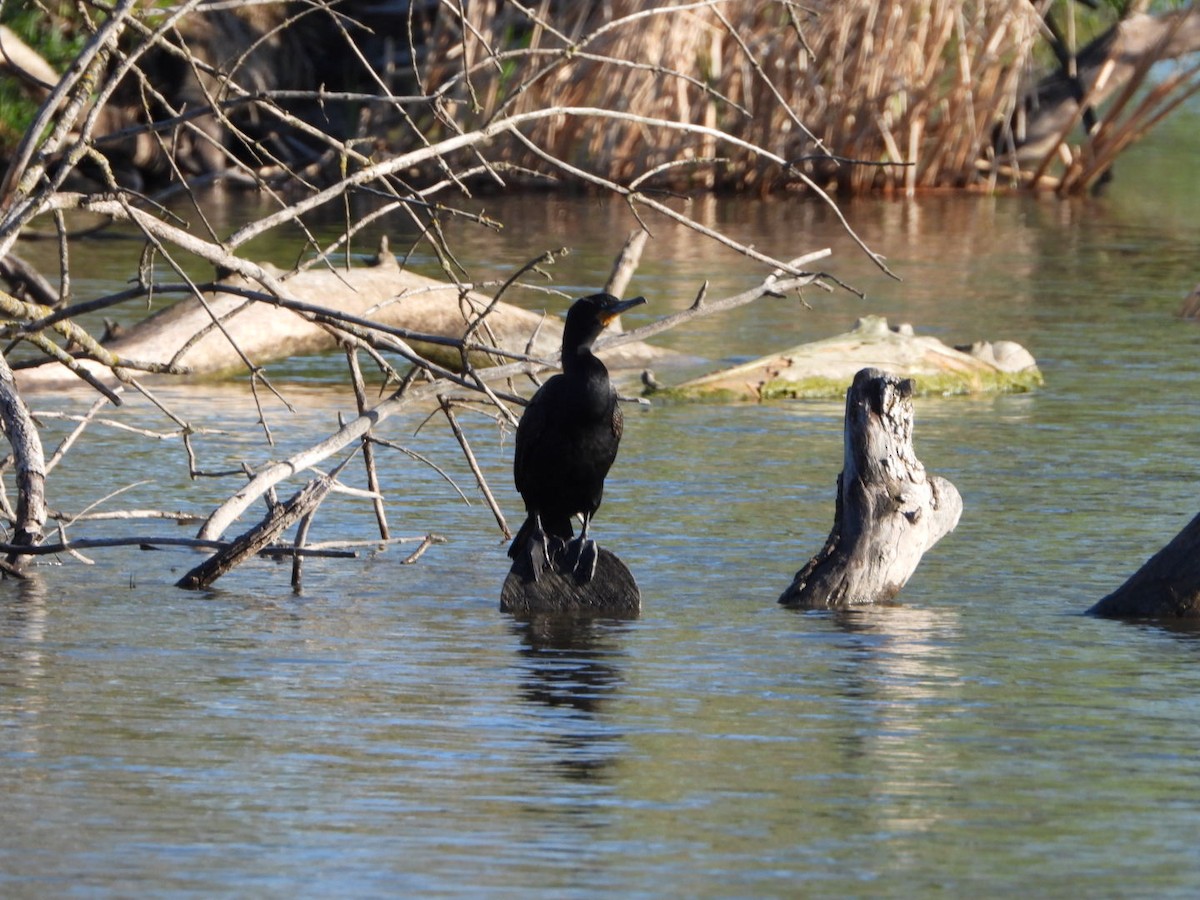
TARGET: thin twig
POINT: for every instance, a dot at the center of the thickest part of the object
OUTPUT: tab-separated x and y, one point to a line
428	541
474	464
368	449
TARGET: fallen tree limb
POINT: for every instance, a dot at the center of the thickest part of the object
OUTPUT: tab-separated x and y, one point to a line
30	459
888	513
281	517
626	264
153	542
773	285
825	368
422	312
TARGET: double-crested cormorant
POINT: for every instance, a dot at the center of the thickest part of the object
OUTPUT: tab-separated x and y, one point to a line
566	443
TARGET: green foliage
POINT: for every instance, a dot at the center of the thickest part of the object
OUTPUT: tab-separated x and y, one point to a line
56	32
52	29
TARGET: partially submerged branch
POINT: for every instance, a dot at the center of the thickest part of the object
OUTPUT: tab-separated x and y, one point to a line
22	434
279	519
1167	586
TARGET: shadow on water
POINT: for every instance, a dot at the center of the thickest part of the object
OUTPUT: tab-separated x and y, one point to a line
1185	629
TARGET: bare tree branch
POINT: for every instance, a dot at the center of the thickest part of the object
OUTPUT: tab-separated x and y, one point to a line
239	119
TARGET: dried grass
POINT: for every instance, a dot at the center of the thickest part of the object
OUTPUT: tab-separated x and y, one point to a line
752	95
915	92
837	78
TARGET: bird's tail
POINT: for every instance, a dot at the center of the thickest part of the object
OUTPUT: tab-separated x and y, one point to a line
522	538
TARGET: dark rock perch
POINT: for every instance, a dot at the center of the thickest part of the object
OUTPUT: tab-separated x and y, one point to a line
889	512
611	592
1166	587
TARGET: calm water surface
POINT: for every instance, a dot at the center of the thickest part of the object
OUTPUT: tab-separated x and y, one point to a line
387	732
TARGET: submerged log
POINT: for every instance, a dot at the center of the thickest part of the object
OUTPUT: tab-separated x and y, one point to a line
611	593
888	513
1166	587
825	368
384	293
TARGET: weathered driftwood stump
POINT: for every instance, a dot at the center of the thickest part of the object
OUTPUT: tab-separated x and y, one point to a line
1166	587
889	512
611	592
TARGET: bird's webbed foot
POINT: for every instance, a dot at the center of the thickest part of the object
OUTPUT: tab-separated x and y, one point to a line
542	549
582	554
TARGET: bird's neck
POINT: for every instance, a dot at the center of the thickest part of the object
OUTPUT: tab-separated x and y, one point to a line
586	368
583	362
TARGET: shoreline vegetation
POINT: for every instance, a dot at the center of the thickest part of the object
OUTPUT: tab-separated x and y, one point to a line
846	97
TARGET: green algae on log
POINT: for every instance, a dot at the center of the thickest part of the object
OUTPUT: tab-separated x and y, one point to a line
825	369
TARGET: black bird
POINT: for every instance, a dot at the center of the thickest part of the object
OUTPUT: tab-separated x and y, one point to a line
566	443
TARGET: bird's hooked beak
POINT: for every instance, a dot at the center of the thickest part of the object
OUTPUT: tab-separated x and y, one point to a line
617	308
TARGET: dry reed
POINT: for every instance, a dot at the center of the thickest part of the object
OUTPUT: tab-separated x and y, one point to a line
765	96
914	93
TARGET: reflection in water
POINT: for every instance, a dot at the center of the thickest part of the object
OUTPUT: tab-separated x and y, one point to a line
22	634
897	677
23	627
1186	629
569	666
